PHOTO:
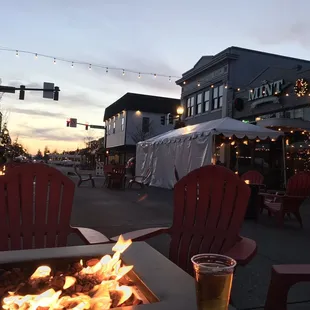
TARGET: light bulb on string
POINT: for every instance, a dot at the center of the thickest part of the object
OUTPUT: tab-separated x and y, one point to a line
35	55
123	72
139	76
89	67
169	78
155	75
198	84
17	54
72	64
54	61
107	70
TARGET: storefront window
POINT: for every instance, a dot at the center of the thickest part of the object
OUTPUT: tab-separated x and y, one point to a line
199	103
122	123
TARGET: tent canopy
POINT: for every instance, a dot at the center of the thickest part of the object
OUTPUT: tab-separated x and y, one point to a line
167	157
226	126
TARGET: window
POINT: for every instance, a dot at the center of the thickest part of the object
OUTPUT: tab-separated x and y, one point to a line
190	106
114	126
145	124
206	101
122	123
199	104
217	97
109	129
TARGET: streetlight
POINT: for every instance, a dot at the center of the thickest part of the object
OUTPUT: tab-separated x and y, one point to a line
180	111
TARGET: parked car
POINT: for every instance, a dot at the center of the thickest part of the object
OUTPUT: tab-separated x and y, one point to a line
67	163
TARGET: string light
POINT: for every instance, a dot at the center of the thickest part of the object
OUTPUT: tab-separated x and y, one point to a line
198	84
72	62
139	76
89	67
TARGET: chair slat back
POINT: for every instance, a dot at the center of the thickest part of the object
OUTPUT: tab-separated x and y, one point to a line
253	176
35	207
299	185
209	208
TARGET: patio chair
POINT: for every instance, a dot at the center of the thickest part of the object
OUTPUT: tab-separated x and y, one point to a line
254	177
283	277
84	177
209	208
280	203
35	209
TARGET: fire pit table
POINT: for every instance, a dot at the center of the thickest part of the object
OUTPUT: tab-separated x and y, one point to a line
162	284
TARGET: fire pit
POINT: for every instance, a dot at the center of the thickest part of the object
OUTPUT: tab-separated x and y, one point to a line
89	277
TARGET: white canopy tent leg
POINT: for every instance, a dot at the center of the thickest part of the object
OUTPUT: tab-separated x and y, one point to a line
284	159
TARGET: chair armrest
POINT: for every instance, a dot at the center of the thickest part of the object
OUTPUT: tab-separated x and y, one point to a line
283	277
243	251
143	234
271	196
90	236
276	192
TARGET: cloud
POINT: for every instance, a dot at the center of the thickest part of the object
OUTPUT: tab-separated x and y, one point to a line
49	134
36	112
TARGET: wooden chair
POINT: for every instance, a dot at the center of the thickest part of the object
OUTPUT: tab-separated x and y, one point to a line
139	180
35	209
84	177
254	177
116	177
280	203
209	208
283	277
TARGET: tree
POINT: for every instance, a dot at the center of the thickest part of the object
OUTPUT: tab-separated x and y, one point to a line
39	155
140	134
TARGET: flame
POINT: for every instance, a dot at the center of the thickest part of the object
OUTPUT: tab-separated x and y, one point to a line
41	272
107	272
69	281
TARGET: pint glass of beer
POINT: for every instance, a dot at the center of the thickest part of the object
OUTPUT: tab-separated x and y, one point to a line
213	275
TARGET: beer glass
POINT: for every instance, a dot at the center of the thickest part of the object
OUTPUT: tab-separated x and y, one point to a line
213	275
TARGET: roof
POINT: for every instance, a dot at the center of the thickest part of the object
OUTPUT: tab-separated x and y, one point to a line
143	103
208	61
226	126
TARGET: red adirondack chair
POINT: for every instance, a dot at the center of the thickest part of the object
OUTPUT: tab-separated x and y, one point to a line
35	209
209	208
254	177
280	204
283	277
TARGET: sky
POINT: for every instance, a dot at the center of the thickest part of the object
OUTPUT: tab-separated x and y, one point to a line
166	37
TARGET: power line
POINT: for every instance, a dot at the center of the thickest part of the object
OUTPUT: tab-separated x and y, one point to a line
90	65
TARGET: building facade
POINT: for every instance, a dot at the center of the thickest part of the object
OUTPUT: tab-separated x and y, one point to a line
211	86
134	118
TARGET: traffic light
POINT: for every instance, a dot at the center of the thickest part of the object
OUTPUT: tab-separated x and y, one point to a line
22	92
86	126
68	123
170	118
56	93
162	120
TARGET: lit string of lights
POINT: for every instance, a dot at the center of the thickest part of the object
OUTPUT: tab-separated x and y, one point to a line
90	65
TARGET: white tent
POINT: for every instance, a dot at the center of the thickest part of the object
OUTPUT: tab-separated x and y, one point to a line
189	148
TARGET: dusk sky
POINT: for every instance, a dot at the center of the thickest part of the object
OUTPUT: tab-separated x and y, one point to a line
165	37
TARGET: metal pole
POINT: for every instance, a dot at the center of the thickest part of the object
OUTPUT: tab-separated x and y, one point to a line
284	159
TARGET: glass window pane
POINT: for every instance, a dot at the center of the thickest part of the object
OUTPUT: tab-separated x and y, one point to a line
206	108
188	102
220	102
215	92
192	101
207	95
199	108
221	90
199	98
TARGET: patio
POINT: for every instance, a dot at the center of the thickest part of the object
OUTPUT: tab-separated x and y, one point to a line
113	212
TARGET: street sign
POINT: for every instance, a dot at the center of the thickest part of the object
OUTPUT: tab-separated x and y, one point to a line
97	127
73	122
48	94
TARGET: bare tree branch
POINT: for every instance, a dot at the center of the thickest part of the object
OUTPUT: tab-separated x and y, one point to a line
139	135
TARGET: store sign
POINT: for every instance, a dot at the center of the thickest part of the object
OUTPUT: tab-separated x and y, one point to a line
266	90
